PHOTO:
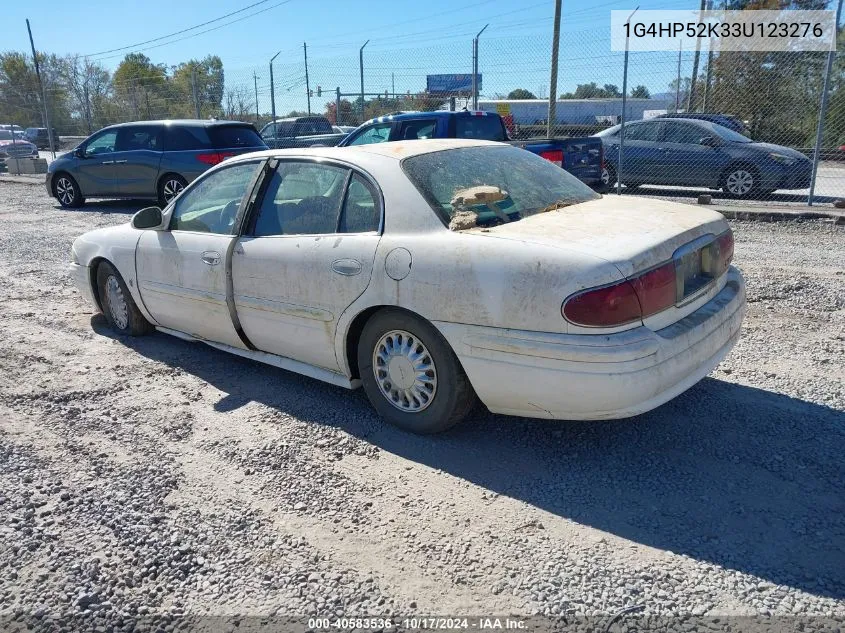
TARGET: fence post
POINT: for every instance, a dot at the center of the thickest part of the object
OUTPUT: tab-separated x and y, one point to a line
361	66
823	110
553	79
307	84
255	81
624	102
475	68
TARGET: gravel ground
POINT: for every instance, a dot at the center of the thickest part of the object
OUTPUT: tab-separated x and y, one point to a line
155	477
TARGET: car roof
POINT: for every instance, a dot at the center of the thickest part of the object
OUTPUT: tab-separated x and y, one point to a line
182	122
417	114
398	150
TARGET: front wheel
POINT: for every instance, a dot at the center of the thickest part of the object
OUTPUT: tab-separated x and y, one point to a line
67	192
118	306
410	374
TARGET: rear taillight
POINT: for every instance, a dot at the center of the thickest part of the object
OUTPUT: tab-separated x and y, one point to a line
603	307
656	289
629	300
553	155
212	158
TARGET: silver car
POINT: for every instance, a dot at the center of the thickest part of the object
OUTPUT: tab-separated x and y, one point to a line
147	159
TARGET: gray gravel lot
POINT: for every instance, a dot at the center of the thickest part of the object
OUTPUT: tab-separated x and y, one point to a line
155	476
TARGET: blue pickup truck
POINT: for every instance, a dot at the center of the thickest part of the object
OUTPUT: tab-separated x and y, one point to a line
582	157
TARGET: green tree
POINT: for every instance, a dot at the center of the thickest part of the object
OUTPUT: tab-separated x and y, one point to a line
208	75
640	92
140	88
521	93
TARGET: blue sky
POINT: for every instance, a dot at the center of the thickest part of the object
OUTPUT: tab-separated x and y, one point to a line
407	41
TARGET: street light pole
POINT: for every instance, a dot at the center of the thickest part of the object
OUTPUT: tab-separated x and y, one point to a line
43	95
475	68
273	88
361	66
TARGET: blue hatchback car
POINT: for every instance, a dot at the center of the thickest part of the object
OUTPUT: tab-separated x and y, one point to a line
692	153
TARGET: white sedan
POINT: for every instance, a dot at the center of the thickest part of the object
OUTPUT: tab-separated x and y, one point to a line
431	273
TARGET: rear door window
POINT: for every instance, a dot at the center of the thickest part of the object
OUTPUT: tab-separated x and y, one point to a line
136	138
228	136
643	132
418	129
683	133
181	138
487	128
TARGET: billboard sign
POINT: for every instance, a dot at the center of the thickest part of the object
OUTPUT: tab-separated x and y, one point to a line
450	84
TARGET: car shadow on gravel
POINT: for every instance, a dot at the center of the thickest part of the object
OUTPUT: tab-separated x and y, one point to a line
740	477
108	206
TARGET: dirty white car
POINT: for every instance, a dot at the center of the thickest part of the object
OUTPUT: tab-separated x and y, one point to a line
431	272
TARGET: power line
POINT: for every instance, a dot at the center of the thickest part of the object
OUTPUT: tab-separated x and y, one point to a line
215	28
190	28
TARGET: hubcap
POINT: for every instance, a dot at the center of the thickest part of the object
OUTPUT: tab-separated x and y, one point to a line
172	188
740	182
117	303
404	371
64	191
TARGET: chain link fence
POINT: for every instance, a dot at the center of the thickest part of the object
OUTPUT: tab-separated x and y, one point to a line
670	147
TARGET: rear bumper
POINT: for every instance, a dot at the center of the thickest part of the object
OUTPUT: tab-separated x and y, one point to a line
594	377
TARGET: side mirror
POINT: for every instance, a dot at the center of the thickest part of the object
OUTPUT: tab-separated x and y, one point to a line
708	141
149	218
79	152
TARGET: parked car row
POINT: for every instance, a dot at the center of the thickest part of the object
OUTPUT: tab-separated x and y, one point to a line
12	146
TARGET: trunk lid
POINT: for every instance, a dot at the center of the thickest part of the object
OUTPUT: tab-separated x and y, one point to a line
633	233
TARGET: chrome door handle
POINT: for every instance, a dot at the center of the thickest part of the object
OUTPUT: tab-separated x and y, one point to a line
212	258
107	162
346	267
119	162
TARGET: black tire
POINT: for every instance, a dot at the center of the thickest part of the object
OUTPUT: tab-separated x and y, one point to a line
608	177
126	320
452	398
741	181
66	190
170	186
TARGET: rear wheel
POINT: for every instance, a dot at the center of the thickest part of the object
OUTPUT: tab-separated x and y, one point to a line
118	306
67	191
410	374
170	187
608	176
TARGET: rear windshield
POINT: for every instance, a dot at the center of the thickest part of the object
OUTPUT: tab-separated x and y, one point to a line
226	136
487	128
512	182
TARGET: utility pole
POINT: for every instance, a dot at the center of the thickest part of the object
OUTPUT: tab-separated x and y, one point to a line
678	87
624	102
475	68
194	88
337	106
361	65
307	85
43	94
553	80
273	89
691	96
255	80
823	107
393	85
